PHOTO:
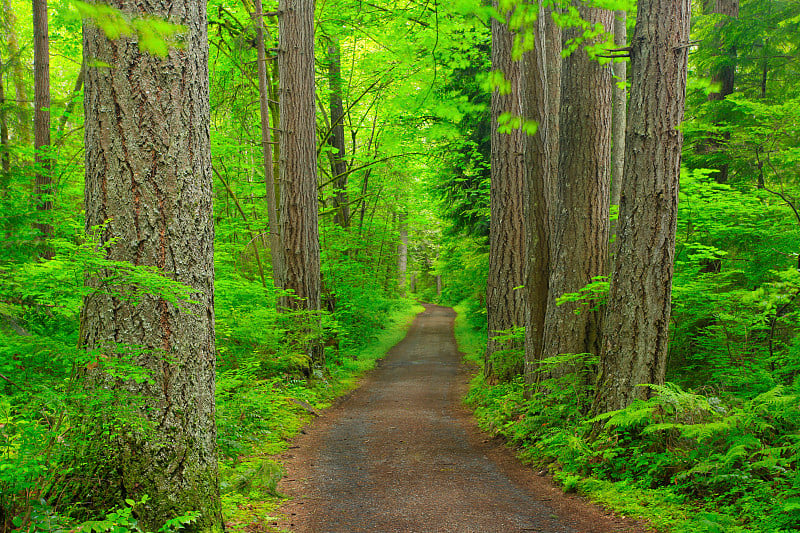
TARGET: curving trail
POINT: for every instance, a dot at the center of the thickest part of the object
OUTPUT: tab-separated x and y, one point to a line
401	454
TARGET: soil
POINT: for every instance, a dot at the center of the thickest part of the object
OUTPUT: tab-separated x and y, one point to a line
402	454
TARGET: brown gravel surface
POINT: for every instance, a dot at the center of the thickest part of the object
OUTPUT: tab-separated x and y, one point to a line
401	454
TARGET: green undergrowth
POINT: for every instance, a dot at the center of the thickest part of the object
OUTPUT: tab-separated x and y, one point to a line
256	417
683	461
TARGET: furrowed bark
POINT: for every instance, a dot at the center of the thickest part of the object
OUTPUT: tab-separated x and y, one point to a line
580	212
43	191
148	179
505	301
636	324
538	178
619	98
298	165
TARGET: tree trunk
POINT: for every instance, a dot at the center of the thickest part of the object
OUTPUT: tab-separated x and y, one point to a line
19	72
505	302
538	168
724	76
636	323
336	138
298	166
619	115
402	253
553	43
5	157
579	244
148	179
275	245
41	119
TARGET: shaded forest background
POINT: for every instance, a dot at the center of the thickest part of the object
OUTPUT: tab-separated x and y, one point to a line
403	116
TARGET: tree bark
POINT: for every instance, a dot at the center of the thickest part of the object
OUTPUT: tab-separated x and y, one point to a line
43	190
336	138
505	302
554	45
5	157
402	253
723	76
275	245
580	213
636	323
619	98
298	165
538	178
148	179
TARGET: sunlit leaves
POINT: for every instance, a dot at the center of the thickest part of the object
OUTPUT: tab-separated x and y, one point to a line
154	35
508	122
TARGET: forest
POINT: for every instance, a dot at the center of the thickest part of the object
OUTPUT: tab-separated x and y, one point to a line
217	216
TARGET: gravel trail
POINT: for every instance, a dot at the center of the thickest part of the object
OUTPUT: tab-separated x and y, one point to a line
401	454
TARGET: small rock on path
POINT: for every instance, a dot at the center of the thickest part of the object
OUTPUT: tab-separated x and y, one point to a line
401	454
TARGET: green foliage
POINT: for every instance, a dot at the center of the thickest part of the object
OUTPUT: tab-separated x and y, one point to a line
257	416
507	361
47	412
590	297
734	461
153	35
121	520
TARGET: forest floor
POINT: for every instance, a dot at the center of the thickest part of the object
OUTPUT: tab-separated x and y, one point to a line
402	454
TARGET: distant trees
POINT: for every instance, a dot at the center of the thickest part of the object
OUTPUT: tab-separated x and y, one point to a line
148	186
339	166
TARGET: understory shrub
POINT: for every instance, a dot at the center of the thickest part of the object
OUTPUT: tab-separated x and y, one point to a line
734	461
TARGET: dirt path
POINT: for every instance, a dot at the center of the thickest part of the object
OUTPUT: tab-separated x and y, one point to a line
401	454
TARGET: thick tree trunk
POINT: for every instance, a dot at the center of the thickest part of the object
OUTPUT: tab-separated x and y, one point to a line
505	302
41	120
298	166
579	244
538	178
275	245
336	138
636	324
554	45
148	179
619	114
